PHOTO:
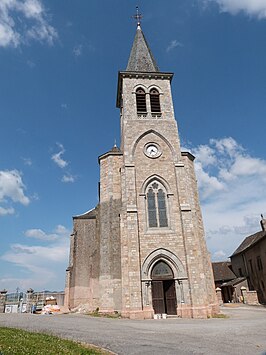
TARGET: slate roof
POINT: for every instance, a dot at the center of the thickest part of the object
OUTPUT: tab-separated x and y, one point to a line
249	241
222	271
91	214
141	58
234	282
114	151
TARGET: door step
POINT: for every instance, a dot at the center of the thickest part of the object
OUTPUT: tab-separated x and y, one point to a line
165	316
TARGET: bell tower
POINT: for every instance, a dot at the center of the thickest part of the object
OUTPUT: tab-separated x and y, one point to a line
165	265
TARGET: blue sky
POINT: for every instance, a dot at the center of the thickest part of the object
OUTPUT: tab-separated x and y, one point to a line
58	76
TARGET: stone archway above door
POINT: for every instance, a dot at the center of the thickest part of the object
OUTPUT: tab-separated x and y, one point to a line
165	255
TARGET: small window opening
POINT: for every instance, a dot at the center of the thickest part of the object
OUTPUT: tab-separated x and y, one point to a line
155	101
141	100
259	263
250	265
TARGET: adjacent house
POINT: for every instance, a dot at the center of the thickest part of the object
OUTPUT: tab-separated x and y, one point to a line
249	260
228	282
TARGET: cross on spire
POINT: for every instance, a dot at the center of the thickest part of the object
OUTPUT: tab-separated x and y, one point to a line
138	16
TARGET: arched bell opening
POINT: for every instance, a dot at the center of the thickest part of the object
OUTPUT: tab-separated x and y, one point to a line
163	289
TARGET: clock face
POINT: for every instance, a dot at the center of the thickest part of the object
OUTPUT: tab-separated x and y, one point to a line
152	150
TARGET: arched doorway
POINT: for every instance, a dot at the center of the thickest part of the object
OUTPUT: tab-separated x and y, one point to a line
163	289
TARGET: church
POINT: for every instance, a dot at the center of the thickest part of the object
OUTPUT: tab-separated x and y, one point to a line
141	251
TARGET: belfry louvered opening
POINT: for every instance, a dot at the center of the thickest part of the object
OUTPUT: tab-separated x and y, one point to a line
141	100
155	101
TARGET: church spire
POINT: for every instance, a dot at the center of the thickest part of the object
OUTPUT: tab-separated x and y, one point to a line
141	58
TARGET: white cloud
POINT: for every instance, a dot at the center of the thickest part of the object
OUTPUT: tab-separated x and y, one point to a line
173	44
255	8
40	267
6	211
231	184
27	161
23	20
37	233
68	178
57	158
78	50
12	189
219	255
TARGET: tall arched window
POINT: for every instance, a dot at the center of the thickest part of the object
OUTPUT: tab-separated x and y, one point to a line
156	205
155	101
141	100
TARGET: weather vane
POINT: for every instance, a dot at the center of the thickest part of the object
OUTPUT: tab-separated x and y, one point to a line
138	16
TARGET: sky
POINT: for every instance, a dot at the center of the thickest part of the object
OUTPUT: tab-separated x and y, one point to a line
59	62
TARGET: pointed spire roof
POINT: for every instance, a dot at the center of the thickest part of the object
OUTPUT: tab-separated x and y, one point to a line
141	58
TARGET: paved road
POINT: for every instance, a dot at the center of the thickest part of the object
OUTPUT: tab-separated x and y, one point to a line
243	333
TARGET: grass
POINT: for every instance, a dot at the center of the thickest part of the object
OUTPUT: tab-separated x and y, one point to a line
219	315
96	313
21	342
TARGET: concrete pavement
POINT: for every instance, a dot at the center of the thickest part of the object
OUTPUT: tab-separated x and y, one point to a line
244	332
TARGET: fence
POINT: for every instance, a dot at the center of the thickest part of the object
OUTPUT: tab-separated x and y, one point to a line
20	302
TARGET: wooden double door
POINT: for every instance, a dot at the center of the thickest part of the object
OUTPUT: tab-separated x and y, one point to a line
164	296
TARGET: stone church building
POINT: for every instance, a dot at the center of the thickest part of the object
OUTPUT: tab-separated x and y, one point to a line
141	251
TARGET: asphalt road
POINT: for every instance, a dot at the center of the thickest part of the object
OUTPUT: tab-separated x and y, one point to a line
243	333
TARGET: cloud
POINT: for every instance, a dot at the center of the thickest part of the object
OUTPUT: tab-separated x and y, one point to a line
219	255
57	158
22	21
254	8
173	44
41	235
27	161
68	178
12	189
39	267
78	50
231	184
6	211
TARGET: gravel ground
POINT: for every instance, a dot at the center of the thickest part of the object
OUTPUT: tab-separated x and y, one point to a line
244	332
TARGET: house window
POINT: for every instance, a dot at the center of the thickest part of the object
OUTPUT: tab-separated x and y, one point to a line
155	101
259	263
156	205
250	265
240	272
141	100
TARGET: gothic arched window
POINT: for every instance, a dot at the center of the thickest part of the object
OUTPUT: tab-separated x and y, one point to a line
156	205
161	270
155	101
141	100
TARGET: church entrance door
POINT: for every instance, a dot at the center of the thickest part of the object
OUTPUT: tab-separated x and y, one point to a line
163	289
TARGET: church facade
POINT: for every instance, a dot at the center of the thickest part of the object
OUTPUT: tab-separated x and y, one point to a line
142	250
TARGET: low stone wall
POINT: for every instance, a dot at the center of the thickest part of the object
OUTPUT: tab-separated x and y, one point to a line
249	297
